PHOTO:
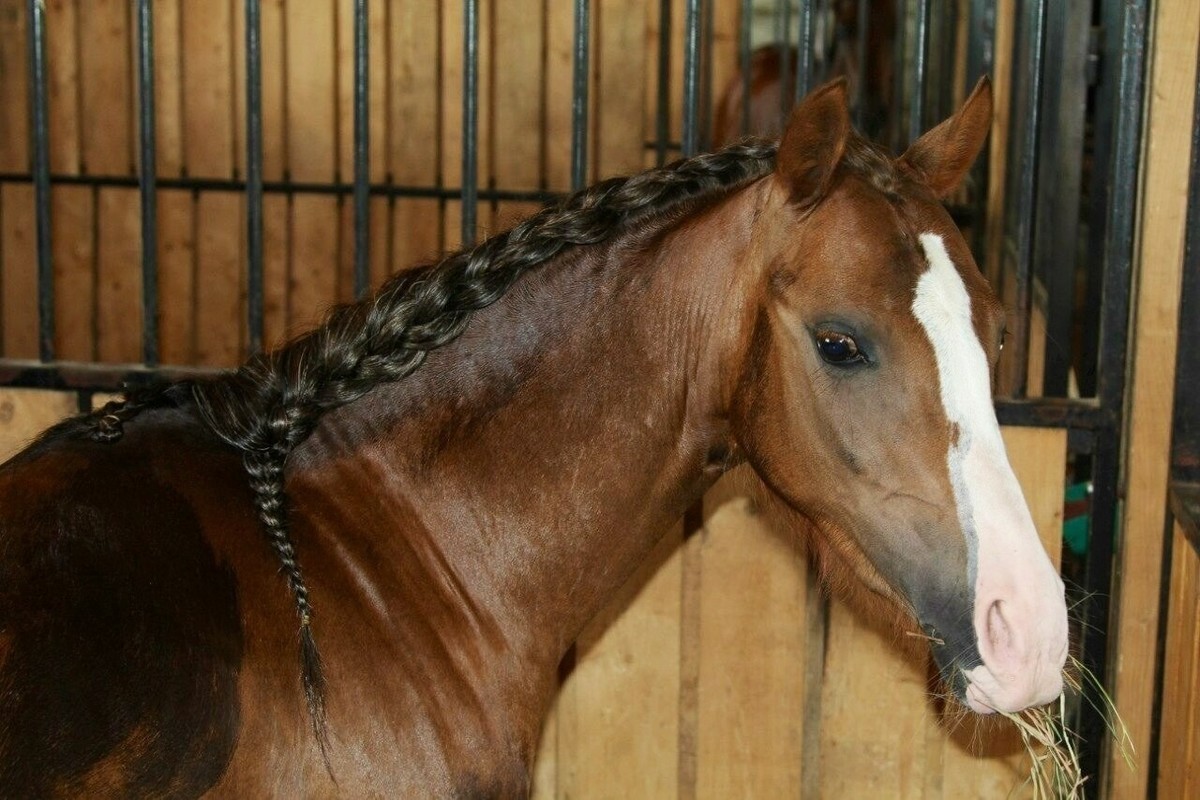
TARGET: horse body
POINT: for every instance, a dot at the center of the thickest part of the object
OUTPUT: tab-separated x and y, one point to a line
458	528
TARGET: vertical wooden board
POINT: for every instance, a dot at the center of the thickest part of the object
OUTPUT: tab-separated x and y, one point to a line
62	75
168	84
1039	460
618	713
1179	660
208	104
1170	93
220	287
271	50
25	413
1192	610
558	81
14	88
313	282
414	142
18	272
517	104
118	275
73	209
377	116
311	102
106	84
998	149
753	649
621	64
875	718
176	276
277	213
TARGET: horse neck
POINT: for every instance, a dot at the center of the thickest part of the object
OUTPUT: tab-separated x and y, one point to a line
540	456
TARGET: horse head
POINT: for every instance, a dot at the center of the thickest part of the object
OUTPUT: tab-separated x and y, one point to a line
863	400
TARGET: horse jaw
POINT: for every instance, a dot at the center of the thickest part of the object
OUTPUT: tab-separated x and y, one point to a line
1019	615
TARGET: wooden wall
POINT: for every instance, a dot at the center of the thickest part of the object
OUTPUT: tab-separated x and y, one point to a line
1179	728
722	670
415	128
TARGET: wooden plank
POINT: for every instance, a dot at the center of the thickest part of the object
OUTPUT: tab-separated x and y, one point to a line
414	141
311	104
106	83
620	706
452	117
621	61
753	646
168	85
517	134
177	276
1170	92
1179	675
277	257
25	413
14	88
208	105
118	275
558	81
73	247
313	282
220	286
62	75
18	272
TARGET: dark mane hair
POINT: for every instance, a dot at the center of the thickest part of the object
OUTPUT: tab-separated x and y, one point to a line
273	402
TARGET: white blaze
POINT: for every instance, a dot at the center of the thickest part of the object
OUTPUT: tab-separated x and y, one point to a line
1019	615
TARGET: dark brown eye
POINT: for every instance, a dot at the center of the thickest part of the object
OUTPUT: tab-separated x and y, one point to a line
838	348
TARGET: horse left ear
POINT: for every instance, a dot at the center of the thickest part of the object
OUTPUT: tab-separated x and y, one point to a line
940	159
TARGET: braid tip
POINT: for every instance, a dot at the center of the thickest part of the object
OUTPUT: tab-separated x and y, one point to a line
313	677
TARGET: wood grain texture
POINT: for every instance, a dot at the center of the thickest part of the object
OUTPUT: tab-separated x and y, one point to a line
25	413
208	104
14	88
1179	754
118	275
73	247
1170	91
18	272
220	293
106	82
177	276
62	74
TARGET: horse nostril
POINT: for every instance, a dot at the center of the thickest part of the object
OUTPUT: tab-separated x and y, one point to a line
998	633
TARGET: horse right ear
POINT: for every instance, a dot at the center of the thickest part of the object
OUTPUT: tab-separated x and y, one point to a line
813	143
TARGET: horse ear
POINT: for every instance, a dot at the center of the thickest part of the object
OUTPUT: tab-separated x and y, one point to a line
940	159
813	142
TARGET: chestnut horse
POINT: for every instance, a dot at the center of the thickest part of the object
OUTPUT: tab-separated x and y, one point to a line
808	308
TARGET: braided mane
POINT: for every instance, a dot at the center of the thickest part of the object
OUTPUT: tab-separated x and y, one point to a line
269	405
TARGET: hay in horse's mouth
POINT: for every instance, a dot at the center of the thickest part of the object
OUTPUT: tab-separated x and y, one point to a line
1054	770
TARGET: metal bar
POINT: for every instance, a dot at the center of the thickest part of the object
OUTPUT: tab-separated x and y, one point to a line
362	152
919	75
1027	108
1114	320
662	115
254	178
579	96
862	20
785	61
146	173
40	168
804	50
744	45
470	154
691	82
706	77
79	376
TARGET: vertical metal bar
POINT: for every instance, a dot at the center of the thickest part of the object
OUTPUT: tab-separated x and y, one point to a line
146	182
254	177
804	49
691	77
470	159
362	158
706	76
863	20
579	97
1114	320
916	108
745	44
662	120
36	33
785	61
1029	112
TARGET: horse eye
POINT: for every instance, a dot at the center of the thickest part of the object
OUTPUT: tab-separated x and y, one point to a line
838	348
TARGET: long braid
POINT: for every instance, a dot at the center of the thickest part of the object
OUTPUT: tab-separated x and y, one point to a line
266	408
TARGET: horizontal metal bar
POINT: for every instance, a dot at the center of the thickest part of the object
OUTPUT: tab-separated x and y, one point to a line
80	376
290	187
